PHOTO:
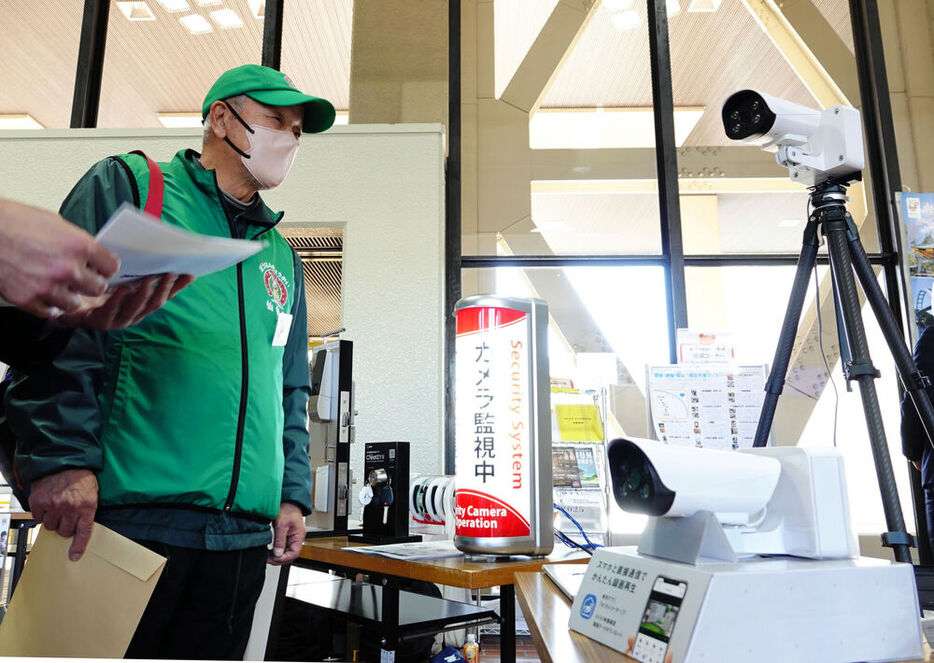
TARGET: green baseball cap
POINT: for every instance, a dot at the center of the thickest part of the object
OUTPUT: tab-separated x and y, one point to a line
273	88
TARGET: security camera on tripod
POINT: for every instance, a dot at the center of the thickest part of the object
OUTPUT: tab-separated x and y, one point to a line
824	151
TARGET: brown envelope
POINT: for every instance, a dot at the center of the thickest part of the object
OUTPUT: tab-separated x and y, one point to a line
89	608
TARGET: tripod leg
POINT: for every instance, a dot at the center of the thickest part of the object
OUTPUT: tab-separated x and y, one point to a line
786	339
862	371
907	370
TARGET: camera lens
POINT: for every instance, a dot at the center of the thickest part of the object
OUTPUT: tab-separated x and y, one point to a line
634	479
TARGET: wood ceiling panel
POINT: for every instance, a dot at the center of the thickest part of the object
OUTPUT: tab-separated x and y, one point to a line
158	66
39	52
316	47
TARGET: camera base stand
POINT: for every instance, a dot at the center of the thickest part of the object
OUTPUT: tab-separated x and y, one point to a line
690	540
832	611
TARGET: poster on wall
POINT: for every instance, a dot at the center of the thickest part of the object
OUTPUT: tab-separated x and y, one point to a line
709	406
917	213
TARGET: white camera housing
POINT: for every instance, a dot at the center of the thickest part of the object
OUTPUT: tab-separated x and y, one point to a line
658	479
765	501
813	145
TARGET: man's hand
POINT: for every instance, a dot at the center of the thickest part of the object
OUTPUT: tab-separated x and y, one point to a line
288	535
65	502
46	263
126	305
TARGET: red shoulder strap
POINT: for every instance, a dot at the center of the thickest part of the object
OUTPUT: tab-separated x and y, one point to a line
156	187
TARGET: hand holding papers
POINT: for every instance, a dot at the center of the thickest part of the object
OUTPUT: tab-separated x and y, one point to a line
89	608
146	247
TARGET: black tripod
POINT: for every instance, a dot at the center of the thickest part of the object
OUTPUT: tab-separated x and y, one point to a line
847	255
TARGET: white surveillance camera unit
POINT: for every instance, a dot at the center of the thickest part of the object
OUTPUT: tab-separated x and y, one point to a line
748	555
658	479
766	500
815	146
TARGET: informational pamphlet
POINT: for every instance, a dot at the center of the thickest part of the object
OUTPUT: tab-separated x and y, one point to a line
695	347
709	406
917	213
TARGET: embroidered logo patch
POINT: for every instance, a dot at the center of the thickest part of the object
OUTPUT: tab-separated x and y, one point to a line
276	285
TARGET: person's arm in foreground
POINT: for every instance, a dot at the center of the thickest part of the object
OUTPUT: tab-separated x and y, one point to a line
54	269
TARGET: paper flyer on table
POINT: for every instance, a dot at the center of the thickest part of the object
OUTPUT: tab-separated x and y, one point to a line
416	550
146	246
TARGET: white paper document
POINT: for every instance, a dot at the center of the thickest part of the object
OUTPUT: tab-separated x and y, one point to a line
413	550
146	247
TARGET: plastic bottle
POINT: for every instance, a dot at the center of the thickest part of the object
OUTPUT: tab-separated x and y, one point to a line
471	649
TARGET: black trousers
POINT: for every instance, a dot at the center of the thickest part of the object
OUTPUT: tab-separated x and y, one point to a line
202	607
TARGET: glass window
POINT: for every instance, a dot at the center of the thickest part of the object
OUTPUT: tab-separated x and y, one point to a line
39	51
576	175
838	416
750	303
606	325
746	203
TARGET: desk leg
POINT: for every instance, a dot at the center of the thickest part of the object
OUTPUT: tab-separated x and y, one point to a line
390	619
19	558
507	612
272	638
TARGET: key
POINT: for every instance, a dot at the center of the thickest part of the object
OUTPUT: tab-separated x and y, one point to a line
385	514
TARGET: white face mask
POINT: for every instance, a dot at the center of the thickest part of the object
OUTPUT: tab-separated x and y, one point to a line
271	152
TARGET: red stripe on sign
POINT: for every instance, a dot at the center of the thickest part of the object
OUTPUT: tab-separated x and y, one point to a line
484	516
470	320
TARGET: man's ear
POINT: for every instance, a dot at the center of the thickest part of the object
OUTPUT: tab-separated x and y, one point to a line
219	115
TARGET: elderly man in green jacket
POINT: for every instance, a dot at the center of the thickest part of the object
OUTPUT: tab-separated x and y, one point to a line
187	432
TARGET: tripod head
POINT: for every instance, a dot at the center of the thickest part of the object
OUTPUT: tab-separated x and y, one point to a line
832	191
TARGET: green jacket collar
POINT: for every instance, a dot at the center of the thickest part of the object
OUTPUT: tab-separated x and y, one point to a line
257	214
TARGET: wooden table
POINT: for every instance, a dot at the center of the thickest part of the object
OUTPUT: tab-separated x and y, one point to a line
547	611
452	571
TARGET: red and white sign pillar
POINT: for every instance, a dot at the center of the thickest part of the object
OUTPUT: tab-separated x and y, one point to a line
503	499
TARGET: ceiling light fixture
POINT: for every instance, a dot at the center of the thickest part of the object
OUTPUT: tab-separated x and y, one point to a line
196	24
175	5
704	5
227	19
257	8
18	121
136	11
